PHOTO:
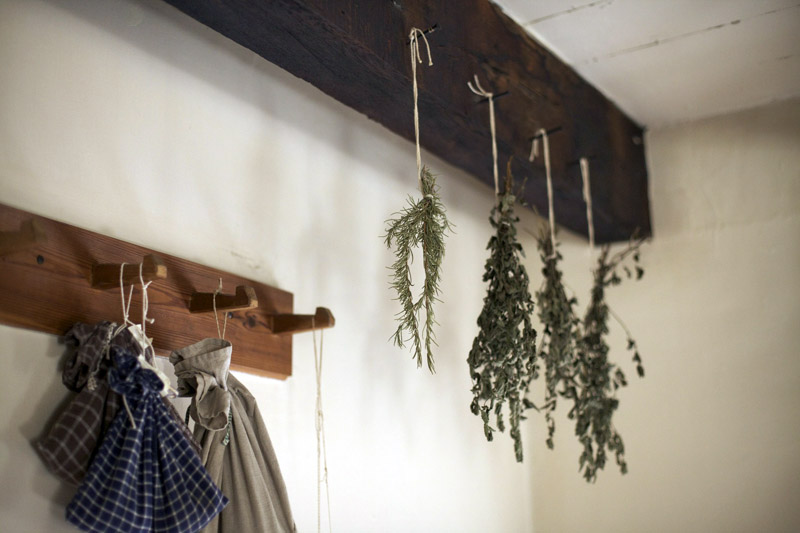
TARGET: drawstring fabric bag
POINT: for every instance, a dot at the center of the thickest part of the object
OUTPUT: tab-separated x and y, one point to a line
235	446
145	477
70	443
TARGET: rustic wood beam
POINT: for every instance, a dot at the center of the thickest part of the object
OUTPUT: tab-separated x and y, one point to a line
357	52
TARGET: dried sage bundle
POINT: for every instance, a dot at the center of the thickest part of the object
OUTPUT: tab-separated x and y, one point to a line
560	326
503	360
597	379
421	223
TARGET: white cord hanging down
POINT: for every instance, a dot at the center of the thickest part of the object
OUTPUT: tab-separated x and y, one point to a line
415	56
125	309
125	322
322	451
216	316
477	89
145	301
534	152
587	197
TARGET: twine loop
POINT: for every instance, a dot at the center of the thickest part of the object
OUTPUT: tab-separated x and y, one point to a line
534	153
413	37
480	91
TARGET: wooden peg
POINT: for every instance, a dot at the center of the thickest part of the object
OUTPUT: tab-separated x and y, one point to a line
290	324
30	233
203	302
106	276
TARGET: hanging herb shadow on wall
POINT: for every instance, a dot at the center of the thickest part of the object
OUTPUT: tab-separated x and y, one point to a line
502	361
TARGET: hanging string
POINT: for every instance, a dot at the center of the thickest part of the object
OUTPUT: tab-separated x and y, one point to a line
227	438
125	309
216	316
145	301
477	89
416	57
125	322
534	153
322	450
587	197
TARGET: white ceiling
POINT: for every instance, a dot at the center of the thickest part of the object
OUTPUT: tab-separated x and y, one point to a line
665	61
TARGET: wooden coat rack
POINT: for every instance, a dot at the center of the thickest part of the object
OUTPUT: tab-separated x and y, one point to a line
53	275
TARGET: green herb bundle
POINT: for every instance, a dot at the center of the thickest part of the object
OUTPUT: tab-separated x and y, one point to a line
421	223
560	326
597	379
502	360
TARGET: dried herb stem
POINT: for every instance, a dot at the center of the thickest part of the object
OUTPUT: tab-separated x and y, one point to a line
596	378
503	359
560	324
421	223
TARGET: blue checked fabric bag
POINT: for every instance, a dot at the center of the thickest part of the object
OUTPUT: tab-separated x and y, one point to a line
145	477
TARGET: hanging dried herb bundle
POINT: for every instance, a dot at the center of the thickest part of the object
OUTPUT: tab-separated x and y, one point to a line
560	325
597	379
502	360
421	223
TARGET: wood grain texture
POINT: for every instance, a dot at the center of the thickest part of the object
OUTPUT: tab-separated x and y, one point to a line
46	287
291	324
206	302
107	276
29	233
357	52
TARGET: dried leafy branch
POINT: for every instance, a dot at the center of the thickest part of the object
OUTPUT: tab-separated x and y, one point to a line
421	223
502	360
560	326
597	379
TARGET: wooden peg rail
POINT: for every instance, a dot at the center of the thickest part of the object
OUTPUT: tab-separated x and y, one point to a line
244	298
29	233
107	276
48	269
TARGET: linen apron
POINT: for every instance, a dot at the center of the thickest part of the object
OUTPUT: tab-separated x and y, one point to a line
235	446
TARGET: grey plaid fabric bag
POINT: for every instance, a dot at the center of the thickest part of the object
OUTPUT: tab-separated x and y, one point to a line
69	446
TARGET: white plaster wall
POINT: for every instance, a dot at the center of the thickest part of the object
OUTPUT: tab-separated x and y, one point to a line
713	431
130	119
127	118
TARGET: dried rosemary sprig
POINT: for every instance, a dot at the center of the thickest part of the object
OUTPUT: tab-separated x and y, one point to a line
597	379
560	323
421	222
502	360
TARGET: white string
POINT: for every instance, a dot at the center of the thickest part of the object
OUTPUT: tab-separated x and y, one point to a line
216	316
477	89
145	301
125	309
415	56
534	152
125	321
587	197
166	390
322	450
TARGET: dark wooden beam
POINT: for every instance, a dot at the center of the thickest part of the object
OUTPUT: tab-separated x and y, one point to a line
357	52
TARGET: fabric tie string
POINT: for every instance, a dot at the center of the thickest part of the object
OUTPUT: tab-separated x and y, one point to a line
145	301
477	89
413	37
